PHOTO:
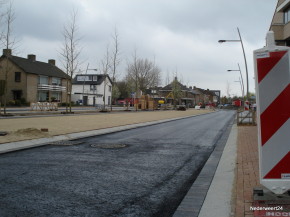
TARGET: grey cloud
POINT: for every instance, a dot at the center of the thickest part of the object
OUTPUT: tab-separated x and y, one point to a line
179	34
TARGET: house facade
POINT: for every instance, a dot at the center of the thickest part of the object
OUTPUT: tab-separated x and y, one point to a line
92	89
206	96
280	24
32	80
189	96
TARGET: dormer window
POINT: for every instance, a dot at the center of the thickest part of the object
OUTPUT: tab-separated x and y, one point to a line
84	78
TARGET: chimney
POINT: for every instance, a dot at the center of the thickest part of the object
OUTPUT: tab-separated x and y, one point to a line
31	57
7	52
51	61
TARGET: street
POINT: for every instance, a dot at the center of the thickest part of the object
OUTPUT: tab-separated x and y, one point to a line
140	172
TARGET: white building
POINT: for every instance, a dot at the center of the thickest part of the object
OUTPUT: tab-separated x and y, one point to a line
92	89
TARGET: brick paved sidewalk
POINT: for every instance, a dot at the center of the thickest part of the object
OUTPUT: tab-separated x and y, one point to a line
247	170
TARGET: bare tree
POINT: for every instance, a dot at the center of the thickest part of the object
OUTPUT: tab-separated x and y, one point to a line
8	42
167	78
228	89
142	74
115	61
71	52
176	91
105	65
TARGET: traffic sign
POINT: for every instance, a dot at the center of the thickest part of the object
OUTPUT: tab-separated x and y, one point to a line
272	75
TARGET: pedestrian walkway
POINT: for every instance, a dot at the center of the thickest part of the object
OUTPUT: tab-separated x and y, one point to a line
247	171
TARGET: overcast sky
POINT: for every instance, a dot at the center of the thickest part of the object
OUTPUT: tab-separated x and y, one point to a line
182	35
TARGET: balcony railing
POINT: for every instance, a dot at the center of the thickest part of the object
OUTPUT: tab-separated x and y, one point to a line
51	87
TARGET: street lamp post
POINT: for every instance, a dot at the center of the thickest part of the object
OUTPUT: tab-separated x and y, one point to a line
241	81
241	41
241	87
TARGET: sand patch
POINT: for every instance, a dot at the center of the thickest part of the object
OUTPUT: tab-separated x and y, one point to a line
30	131
29	128
25	134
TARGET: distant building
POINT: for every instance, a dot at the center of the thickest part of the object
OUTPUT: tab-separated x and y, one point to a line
32	80
187	95
280	24
90	89
217	97
206	96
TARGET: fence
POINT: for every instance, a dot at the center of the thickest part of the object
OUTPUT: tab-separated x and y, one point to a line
44	106
246	117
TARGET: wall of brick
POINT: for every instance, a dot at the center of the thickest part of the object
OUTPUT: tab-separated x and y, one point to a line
32	81
11	84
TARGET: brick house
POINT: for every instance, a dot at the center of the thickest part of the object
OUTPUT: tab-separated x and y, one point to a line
187	95
206	96
32	80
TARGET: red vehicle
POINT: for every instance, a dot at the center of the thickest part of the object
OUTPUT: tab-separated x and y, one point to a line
237	102
126	101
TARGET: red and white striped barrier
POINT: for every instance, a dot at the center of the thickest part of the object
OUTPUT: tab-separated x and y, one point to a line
247	106
272	74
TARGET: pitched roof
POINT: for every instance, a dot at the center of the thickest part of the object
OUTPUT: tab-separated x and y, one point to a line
170	87
194	92
98	81
206	92
37	67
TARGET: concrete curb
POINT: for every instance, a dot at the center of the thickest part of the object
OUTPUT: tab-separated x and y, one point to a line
198	197
218	198
16	146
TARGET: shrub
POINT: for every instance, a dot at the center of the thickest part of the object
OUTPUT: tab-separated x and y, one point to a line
23	101
17	102
11	103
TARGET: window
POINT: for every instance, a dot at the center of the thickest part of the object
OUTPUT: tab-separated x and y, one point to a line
43	96
55	96
56	81
43	80
93	87
17	76
287	15
84	78
17	94
95	77
110	88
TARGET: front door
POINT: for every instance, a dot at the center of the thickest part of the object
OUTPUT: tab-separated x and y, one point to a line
85	100
17	94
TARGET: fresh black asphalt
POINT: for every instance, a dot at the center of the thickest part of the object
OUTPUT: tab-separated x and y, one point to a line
140	172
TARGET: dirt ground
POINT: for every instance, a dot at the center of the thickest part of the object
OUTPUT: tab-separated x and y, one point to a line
30	128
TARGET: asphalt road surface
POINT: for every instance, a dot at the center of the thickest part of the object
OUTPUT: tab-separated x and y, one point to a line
140	172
